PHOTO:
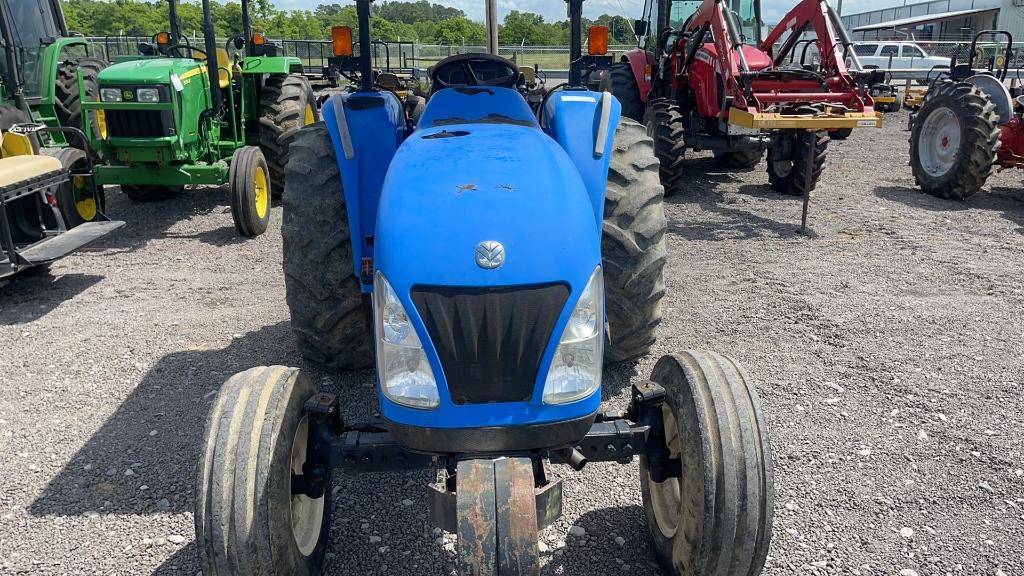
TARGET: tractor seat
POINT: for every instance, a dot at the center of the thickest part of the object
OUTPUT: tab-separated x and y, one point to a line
17	171
224	64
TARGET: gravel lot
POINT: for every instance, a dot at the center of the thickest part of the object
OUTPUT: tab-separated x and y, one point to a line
888	347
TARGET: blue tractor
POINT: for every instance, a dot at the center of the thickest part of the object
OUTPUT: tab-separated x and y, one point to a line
488	260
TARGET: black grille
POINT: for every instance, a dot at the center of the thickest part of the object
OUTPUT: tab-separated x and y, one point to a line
139	123
490	340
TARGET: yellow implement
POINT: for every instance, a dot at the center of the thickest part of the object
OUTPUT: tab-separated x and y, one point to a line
773	121
915	97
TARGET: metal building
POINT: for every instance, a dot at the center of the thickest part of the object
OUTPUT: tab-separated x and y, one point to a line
937	20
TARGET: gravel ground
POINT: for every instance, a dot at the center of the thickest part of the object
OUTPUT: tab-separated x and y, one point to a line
887	346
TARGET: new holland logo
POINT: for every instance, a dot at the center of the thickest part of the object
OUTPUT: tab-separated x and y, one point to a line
490	254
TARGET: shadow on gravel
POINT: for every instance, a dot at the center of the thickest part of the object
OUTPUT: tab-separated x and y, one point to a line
156	432
184	562
1007	201
599	557
147	221
35	293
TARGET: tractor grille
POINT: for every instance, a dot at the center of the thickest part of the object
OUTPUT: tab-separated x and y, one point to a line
139	123
490	341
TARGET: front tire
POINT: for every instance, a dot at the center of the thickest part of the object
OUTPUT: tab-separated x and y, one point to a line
247	520
788	161
287	103
742	160
954	141
329	314
716	518
77	200
633	244
665	125
249	183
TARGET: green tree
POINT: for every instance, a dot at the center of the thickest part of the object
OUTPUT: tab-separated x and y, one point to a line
459	31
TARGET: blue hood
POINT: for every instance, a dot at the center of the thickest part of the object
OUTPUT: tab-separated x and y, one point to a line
521	190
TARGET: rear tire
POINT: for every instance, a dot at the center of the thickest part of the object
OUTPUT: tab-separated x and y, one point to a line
249	182
77	201
621	82
742	160
963	113
330	315
247	520
787	172
67	102
287	103
716	518
11	115
633	244
665	125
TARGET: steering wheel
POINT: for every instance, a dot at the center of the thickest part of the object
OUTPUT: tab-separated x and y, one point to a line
464	62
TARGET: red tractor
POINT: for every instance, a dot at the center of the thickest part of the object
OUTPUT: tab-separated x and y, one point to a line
712	83
968	124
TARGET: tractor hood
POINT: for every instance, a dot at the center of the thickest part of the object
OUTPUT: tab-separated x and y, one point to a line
149	70
451	188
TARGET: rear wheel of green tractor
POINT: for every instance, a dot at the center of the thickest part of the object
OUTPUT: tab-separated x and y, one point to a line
954	141
329	313
665	125
249	183
247	518
68	104
633	244
788	161
77	200
715	516
11	115
287	103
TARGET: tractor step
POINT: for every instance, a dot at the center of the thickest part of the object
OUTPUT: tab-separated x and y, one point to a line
63	244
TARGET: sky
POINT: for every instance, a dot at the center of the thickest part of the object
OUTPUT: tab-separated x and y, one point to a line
554	10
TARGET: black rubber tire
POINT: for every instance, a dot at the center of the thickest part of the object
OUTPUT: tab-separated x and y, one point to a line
248	180
896	106
633	244
980	133
742	160
665	125
11	115
67	199
329	313
151	193
284	103
67	103
840	134
721	523
243	518
791	182
622	84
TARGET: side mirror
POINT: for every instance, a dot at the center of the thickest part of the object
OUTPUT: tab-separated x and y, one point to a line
640	28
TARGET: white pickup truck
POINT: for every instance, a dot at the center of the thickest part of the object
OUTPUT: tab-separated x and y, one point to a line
897	56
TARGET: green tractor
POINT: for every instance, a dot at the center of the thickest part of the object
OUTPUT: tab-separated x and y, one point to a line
178	115
38	84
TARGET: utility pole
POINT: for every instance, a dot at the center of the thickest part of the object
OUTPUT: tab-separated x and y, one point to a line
492	26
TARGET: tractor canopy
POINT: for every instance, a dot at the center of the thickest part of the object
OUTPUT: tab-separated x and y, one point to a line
520	224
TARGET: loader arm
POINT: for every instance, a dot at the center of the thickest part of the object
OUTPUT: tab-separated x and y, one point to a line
713	17
831	37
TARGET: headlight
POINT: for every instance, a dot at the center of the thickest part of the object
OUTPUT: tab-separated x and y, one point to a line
575	371
147	95
405	374
110	94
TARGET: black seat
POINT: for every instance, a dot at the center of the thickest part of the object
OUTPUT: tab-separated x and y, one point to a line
475	69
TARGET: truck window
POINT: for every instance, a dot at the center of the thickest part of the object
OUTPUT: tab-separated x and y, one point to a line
911	51
865	49
890	50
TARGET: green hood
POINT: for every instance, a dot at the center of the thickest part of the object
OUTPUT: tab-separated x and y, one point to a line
147	70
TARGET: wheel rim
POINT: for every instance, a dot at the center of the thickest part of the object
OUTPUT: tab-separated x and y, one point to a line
85	207
262	192
782	168
666	496
307	513
939	143
310	115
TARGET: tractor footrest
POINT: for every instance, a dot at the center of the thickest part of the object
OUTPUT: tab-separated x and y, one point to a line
775	121
66	243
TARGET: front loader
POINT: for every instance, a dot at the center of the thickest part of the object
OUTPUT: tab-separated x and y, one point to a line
488	261
179	115
712	82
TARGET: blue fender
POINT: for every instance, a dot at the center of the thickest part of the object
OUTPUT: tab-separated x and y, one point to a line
584	123
366	129
479	168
